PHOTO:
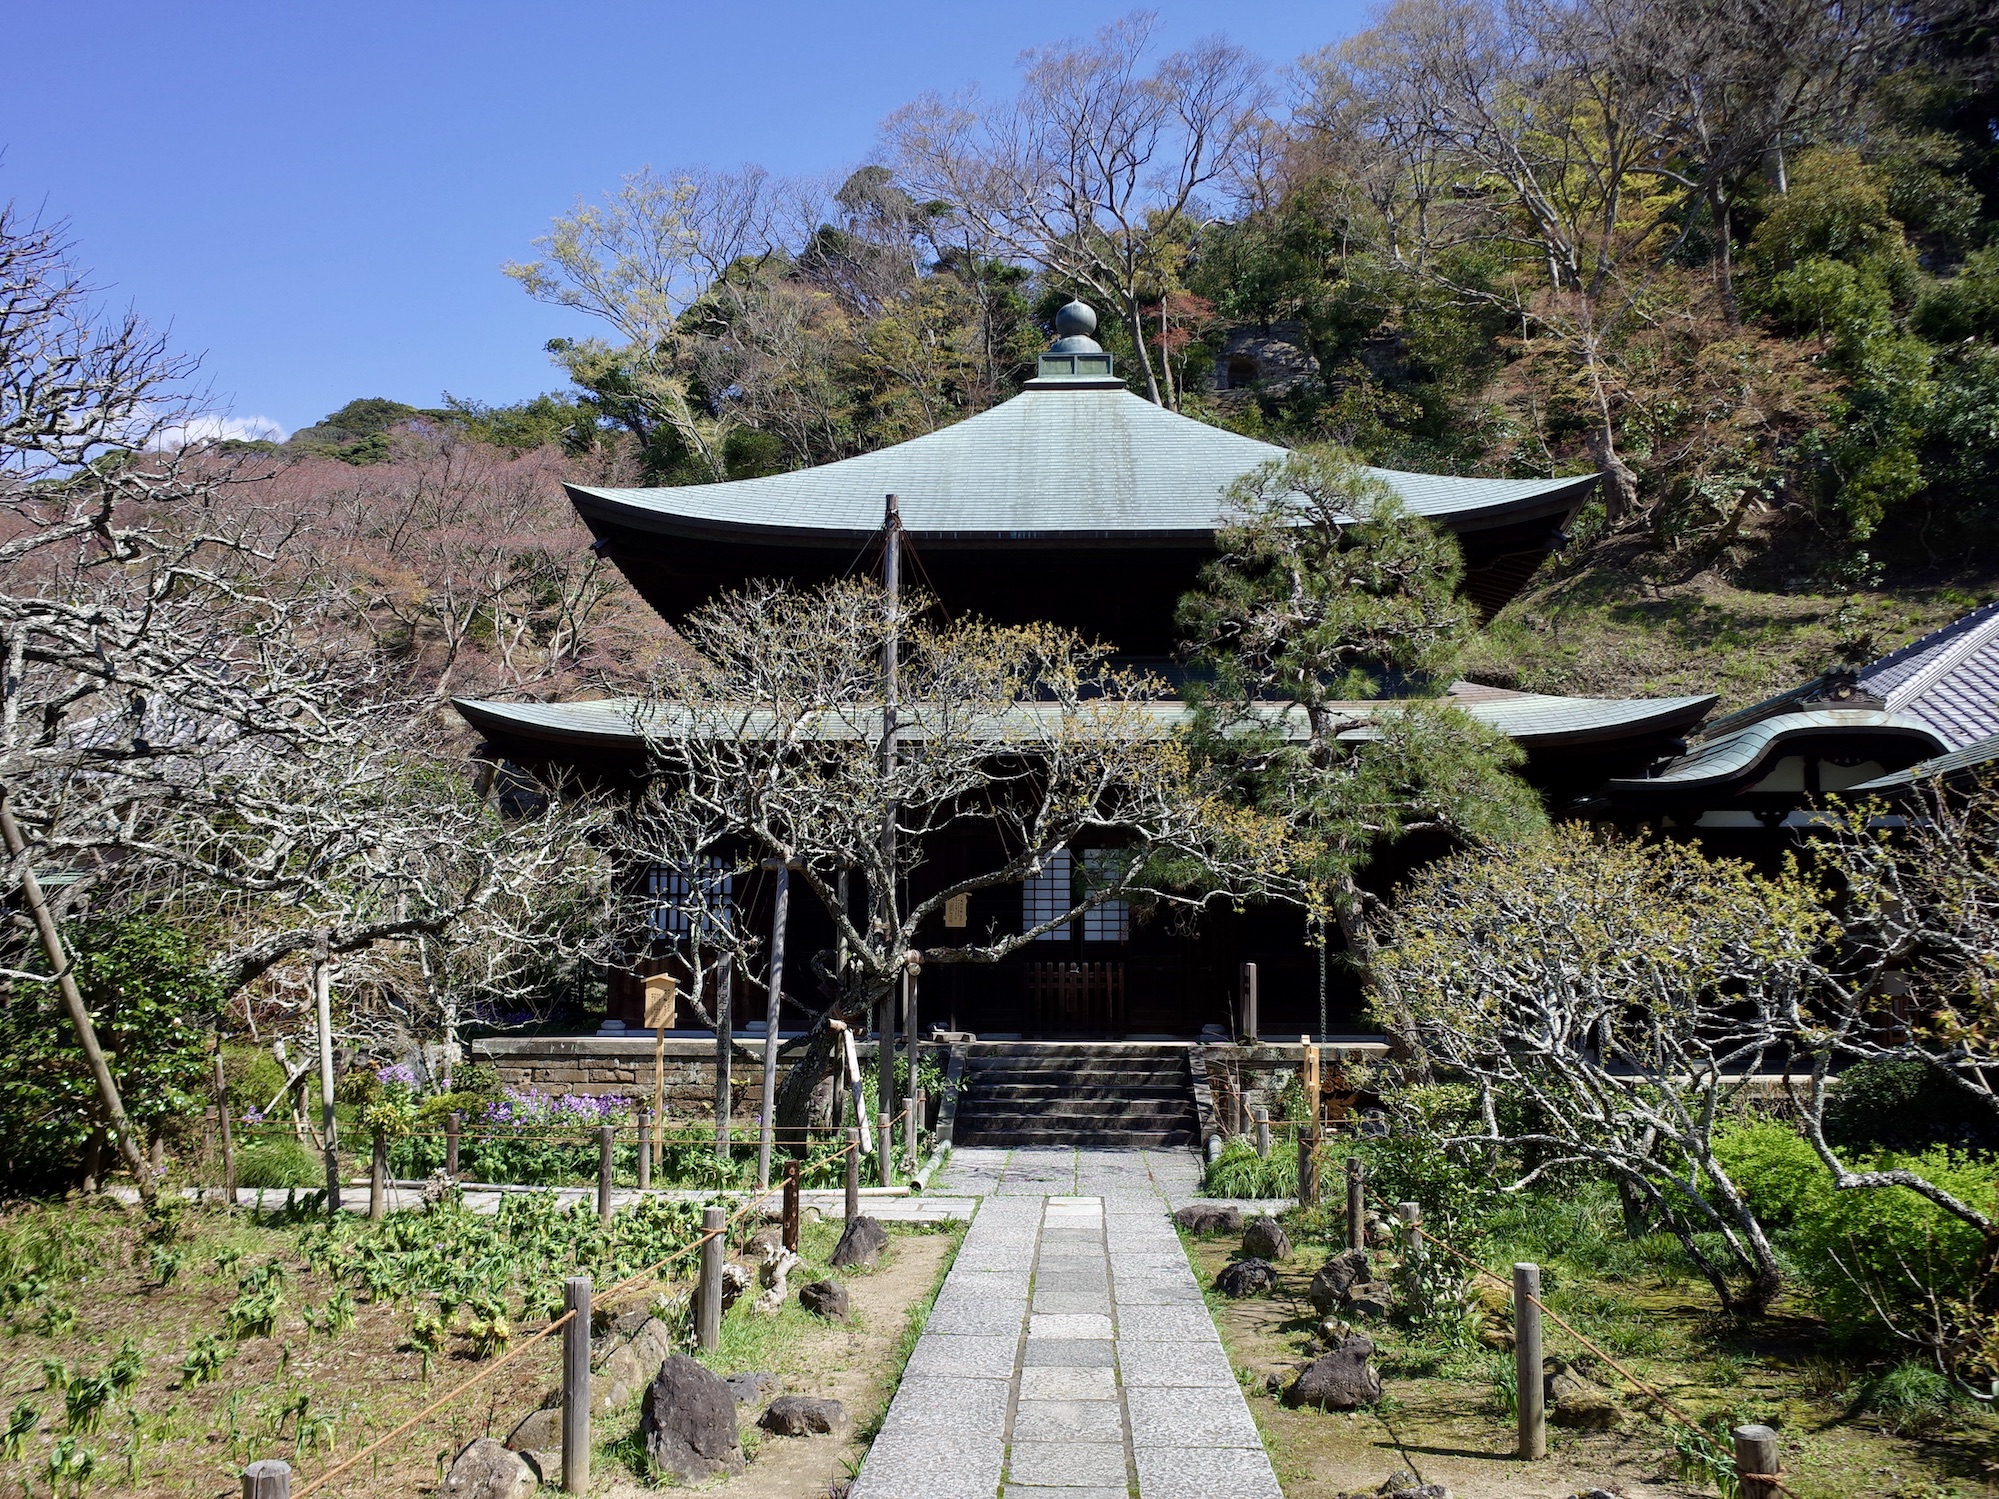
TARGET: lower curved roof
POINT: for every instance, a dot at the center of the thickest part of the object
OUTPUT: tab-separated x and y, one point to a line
1733	756
1052	464
617	726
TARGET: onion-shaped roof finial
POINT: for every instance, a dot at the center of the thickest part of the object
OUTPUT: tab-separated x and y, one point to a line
1074	323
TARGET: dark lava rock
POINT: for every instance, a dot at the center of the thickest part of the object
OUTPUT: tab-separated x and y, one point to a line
750	1388
862	1244
802	1416
1342	1380
1207	1218
487	1470
689	1422
1265	1239
1247	1278
825	1298
1346	1269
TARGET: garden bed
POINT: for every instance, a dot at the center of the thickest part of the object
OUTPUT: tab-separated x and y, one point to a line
158	1390
1849	1428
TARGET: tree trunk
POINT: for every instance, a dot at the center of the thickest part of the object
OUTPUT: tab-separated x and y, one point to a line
1136	322
1620	485
79	1015
1722	222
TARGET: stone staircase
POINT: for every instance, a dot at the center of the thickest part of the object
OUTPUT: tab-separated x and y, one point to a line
1097	1094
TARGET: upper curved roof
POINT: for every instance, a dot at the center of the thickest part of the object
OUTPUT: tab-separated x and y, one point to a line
1077	463
1731	756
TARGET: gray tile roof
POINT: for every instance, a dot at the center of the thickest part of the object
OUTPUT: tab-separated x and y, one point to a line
1949	679
1528	718
1057	463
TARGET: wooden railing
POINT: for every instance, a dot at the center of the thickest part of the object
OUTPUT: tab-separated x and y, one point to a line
1075	999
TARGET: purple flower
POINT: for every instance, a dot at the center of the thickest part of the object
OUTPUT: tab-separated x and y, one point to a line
398	1072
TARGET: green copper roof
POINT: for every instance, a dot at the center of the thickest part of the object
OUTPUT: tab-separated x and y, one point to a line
1056	462
1730	755
1530	719
1972	758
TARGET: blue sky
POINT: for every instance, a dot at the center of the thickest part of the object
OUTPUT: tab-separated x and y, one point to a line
317	198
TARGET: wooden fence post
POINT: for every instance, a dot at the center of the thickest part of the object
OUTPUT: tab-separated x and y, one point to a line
1263	1131
228	1140
645	1150
268	1479
576	1386
912	1122
606	1144
790	1220
885	1149
1356	1203
1308	1166
1411	1215
378	1176
1755	1454
1530	1397
853	1175
453	1123
708	1295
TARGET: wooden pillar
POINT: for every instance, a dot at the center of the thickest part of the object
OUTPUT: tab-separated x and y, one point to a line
773	1022
708	1294
1249	1001
228	1140
1530	1394
576	1386
853	1175
1308	1166
1756	1454
454	1125
1263	1132
791	1211
269	1479
606	1146
1356	1203
378	1176
885	1150
645	1150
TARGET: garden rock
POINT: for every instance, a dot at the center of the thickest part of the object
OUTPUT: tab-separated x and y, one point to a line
1380	1234
862	1244
764	1243
1329	1287
1575	1402
689	1422
803	1416
1247	1278
1206	1218
748	1389
1371	1300
1341	1380
487	1470
537	1430
825	1298
1265	1239
633	1362
736	1279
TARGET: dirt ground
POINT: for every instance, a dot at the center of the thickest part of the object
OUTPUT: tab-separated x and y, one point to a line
1451	1430
858	1364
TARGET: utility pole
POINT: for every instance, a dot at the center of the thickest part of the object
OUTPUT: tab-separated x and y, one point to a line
891	705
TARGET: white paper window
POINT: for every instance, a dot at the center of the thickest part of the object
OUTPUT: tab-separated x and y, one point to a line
1111	921
680	897
1046	895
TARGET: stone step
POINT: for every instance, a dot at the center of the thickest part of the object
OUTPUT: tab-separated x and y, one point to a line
1145	1111
1081	1082
1093	1139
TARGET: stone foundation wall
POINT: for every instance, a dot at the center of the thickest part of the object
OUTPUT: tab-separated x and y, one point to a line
618	1065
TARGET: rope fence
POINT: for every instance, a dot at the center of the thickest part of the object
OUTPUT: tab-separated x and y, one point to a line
271	1479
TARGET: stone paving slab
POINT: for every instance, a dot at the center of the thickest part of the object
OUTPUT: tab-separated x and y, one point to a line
1069	1355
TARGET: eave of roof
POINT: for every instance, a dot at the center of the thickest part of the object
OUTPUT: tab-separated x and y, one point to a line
1075	466
1730	756
1532	720
1958	762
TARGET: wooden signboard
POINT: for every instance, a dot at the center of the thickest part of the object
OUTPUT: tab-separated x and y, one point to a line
662	1000
957	911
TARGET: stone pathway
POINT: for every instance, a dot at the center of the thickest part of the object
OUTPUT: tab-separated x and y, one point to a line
1069	1355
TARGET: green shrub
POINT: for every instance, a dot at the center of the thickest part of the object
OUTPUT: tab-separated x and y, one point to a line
254	1077
1910	1399
1240	1172
279	1162
1905	1105
1854	1247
